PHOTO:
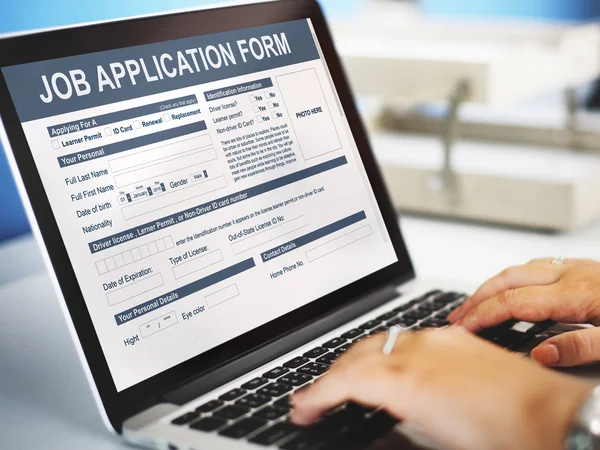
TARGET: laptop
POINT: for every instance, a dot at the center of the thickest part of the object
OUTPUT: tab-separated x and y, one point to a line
213	220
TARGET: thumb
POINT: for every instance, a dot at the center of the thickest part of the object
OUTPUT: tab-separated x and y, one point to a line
569	349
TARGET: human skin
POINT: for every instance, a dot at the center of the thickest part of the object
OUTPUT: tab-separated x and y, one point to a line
462	390
540	291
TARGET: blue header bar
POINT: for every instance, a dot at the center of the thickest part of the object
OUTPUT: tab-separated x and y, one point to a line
133	113
182	292
214	205
301	241
58	86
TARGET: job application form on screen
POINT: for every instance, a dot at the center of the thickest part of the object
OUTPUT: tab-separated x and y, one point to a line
202	187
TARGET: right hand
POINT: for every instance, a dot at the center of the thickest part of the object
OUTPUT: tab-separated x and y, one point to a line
539	291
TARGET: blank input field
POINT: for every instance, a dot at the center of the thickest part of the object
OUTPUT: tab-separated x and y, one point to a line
173	165
222	296
338	243
198	263
180	195
268	235
162	152
140	287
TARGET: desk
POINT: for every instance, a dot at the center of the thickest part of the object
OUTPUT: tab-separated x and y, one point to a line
44	398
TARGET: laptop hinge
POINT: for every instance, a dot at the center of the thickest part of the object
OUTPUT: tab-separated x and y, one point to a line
272	350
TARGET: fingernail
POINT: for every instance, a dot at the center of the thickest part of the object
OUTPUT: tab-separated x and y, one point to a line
546	354
456	324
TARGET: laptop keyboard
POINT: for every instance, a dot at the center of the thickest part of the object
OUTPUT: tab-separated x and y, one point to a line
258	410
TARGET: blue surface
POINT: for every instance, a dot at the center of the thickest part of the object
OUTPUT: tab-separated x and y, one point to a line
19	15
579	10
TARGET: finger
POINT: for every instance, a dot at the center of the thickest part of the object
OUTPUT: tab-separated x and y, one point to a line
532	304
569	349
567	261
511	278
367	381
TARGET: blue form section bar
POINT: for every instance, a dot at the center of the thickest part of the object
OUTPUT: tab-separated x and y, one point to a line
130	144
282	249
238	89
118	116
163	67
183	291
214	205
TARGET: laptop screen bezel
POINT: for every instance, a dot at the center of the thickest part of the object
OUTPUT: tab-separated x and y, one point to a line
146	30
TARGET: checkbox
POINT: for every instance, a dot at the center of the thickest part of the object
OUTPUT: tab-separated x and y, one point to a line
55	144
256	109
271	105
101	266
108	131
268	94
275	115
110	263
259	119
136	124
252	98
166	117
119	260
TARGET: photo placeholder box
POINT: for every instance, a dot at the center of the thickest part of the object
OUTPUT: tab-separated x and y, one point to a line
309	113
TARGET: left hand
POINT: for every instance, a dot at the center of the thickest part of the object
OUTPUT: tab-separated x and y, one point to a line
467	393
539	291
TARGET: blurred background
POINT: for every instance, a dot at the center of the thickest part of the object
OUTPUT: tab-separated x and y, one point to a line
478	110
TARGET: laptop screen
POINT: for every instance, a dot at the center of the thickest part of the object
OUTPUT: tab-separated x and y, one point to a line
202	186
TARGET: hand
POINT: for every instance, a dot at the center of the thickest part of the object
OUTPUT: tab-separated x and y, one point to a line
465	392
541	291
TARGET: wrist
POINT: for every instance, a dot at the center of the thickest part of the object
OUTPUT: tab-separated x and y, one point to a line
555	408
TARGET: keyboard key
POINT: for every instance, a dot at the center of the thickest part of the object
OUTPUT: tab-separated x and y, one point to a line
370	325
431	294
387	316
275	389
296	362
315	352
378	330
314	368
296	378
186	418
284	401
539	328
512	339
352	333
253	400
255	383
210	406
343	348
449	297
231	411
272	412
276	372
429	307
275	433
310	436
208	424
417	314
380	423
243	427
402	321
435	323
232	395
404	307
494	332
357	408
333	343
329	358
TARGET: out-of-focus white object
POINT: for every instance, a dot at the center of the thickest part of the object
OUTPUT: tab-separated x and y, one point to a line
540	174
390	50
